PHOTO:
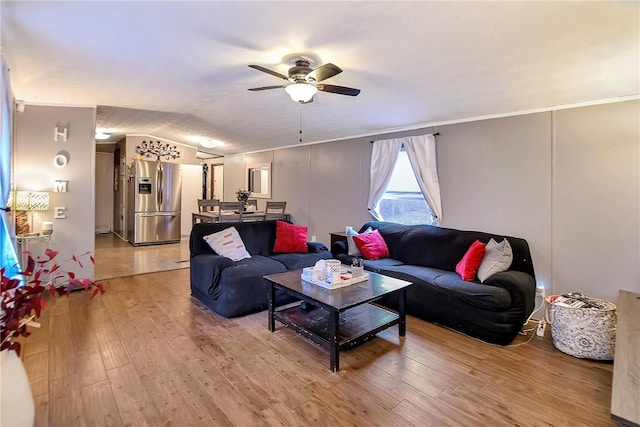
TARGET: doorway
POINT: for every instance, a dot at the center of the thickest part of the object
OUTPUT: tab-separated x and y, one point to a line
217	181
104	192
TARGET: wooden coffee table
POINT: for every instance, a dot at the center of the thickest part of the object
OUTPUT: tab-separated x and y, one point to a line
342	318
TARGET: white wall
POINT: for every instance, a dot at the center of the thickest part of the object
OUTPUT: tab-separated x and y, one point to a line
567	181
596	209
234	176
495	176
191	192
35	150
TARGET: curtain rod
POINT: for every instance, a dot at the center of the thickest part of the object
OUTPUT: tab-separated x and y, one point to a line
434	134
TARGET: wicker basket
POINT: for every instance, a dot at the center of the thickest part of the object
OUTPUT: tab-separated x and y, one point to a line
588	333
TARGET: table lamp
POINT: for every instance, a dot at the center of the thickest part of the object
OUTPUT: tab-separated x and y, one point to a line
30	201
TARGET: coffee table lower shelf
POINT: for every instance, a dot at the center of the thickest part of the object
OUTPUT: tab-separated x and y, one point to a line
355	326
339	319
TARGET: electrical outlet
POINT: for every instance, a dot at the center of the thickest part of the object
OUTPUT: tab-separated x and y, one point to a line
313	238
540	289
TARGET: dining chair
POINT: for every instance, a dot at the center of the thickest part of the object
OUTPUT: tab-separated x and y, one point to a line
230	211
275	210
207	205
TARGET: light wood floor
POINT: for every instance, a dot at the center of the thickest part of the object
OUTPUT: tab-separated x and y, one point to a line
117	258
147	354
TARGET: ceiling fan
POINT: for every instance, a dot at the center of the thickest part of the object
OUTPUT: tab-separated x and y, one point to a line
305	80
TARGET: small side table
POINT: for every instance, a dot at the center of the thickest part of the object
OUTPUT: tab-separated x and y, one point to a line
26	243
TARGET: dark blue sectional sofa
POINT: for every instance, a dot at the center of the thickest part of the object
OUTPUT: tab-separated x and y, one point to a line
493	311
237	288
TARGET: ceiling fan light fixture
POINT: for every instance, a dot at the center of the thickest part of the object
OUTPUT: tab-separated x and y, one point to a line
301	92
210	143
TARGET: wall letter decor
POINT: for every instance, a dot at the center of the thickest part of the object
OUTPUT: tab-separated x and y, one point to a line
60	160
60	133
60	212
61	186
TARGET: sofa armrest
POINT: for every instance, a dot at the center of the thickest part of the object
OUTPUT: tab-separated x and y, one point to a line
205	271
521	287
316	247
339	247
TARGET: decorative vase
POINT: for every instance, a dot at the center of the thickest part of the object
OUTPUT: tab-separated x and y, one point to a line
16	400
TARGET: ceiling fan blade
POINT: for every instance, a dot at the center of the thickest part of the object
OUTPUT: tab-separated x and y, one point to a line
268	71
342	90
323	72
265	88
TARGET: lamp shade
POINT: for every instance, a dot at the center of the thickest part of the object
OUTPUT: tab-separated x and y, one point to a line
32	201
301	92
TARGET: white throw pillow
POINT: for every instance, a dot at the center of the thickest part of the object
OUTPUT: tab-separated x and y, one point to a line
352	248
497	257
228	243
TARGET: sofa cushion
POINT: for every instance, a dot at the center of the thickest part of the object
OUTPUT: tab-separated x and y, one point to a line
300	261
242	289
228	243
209	271
256	266
497	258
468	265
414	273
475	294
372	245
376	265
290	238
352	247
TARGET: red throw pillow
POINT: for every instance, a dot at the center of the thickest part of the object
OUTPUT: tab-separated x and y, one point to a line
290	238
372	245
468	265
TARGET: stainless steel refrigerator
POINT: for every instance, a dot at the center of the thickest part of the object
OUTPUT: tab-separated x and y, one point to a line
154	203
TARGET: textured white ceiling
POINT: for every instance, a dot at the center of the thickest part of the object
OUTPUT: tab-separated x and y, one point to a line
175	69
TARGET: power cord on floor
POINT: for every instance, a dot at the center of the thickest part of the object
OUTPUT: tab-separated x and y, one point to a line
537	309
537	330
534	331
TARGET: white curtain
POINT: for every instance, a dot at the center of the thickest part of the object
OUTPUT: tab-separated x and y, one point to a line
8	253
383	159
421	151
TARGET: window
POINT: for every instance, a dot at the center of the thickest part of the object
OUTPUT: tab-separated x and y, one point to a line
8	256
402	201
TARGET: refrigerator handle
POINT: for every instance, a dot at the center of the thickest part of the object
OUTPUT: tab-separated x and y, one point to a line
160	186
153	215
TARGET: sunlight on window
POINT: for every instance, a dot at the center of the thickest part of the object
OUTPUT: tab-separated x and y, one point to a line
403	201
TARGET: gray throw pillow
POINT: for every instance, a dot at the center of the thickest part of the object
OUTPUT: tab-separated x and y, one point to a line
352	248
497	257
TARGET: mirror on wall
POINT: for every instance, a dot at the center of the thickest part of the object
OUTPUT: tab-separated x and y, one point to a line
258	179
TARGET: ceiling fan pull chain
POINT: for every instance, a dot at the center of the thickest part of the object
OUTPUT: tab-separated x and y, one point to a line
300	122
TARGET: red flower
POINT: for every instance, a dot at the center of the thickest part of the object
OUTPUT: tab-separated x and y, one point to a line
21	303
